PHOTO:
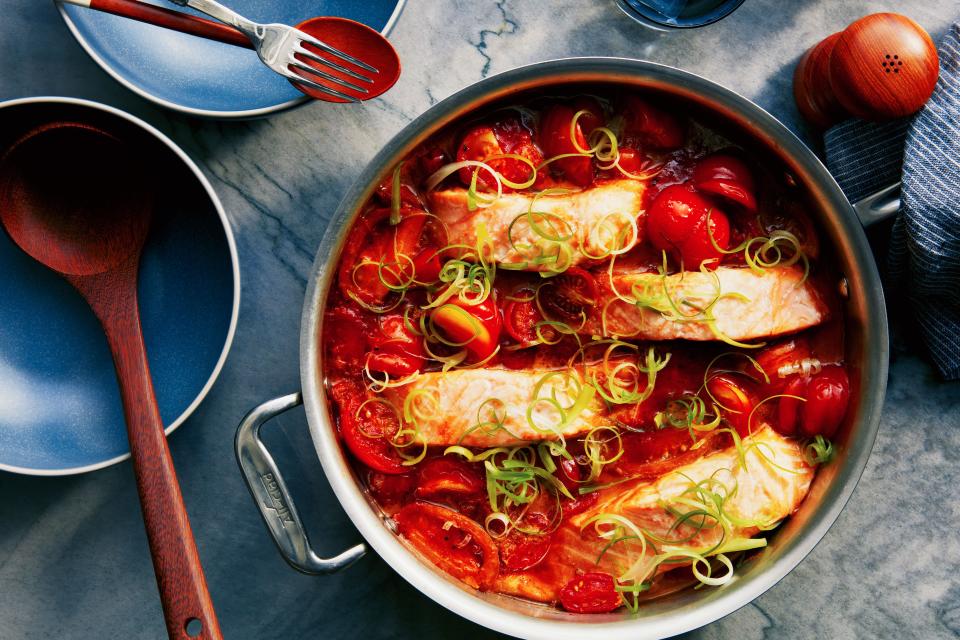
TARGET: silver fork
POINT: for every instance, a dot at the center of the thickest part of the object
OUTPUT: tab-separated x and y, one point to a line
278	44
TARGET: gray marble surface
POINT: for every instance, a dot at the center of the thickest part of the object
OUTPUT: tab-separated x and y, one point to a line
73	555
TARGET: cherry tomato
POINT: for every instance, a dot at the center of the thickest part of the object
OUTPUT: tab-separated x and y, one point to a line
431	160
475	327
736	401
448	477
390	489
520	550
520	318
828	395
651	125
372	242
367	428
570	296
677	222
507	136
397	351
568	473
555	140
593	592
726	176
823	406
451	541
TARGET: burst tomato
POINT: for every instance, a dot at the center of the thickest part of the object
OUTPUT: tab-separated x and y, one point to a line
347	328
681	222
397	351
593	592
522	550
555	125
651	125
391	489
506	136
447	478
726	176
376	251
367	428
453	542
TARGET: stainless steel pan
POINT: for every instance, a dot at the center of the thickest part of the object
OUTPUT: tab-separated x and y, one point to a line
867	347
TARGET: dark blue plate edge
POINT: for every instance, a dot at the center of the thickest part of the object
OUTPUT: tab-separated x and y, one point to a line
234	264
202	113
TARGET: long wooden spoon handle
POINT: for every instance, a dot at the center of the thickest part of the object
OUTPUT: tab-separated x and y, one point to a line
187	606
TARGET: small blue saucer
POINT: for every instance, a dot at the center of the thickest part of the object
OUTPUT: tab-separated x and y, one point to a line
203	77
60	410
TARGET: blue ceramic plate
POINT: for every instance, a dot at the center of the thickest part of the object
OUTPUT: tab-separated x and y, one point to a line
60	409
202	77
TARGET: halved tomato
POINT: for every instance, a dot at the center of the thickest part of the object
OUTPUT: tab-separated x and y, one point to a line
367	428
569	296
451	541
520	317
593	592
476	327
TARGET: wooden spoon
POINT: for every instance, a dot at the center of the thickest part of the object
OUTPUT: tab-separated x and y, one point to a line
76	199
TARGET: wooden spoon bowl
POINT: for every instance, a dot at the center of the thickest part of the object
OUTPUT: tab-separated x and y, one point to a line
75	198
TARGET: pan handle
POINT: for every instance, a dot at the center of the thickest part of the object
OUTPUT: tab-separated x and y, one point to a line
878	206
270	493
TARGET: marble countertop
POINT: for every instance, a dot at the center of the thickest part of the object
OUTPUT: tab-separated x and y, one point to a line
73	554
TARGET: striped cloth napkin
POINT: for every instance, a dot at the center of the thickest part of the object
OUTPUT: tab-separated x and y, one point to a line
923	151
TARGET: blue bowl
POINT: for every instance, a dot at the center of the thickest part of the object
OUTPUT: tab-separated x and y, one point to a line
60	410
202	77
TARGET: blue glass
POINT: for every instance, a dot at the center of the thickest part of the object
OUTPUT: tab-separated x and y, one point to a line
678	14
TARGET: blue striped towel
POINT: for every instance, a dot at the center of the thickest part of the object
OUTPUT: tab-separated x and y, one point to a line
923	151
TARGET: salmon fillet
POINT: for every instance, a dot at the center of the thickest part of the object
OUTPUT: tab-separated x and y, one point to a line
597	220
768	488
488	407
769	303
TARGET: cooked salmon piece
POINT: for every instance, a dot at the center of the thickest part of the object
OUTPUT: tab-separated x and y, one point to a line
759	494
596	221
488	407
751	305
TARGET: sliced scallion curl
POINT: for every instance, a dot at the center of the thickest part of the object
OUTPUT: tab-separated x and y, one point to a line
405	438
818	451
780	249
395	196
378	385
622	240
594	445
374	400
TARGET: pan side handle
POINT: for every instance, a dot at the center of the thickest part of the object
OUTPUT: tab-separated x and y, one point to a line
272	497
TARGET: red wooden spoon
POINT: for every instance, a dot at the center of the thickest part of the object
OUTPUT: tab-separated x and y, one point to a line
76	199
